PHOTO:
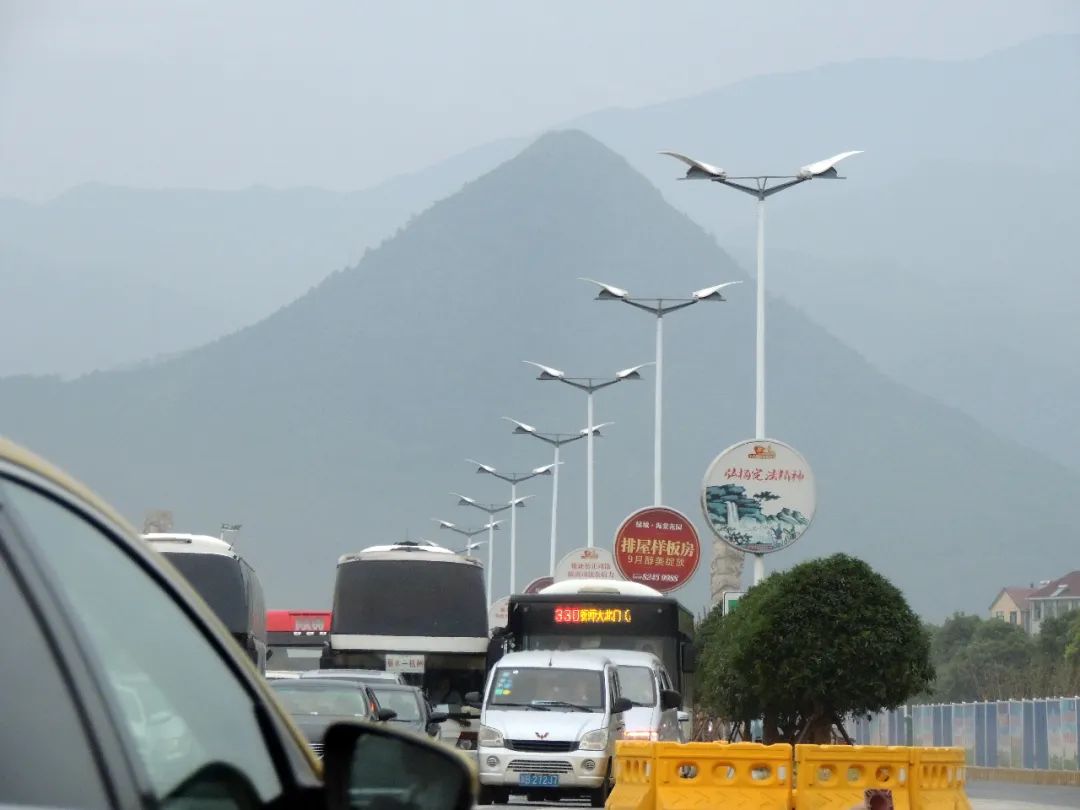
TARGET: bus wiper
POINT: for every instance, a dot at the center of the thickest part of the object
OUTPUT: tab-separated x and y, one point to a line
574	706
537	706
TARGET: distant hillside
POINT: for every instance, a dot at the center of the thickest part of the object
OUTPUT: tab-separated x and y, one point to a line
203	262
241	255
346	417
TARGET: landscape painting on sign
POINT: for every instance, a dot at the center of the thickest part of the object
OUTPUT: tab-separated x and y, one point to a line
759	496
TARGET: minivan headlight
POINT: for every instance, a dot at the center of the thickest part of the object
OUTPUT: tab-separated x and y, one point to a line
594	740
490	737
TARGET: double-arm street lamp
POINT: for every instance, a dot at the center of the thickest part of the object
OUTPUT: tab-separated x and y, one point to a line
556	440
659	307
513	479
491	509
590	385
761	187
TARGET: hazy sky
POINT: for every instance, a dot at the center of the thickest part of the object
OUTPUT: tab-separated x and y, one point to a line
344	94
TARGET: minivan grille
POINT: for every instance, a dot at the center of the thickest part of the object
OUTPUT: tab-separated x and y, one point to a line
539	766
542	746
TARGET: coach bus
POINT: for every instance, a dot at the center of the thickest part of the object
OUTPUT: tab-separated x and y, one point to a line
226	583
297	638
418	609
607	615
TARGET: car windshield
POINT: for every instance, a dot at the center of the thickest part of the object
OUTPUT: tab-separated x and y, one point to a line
517	687
308	698
637	684
402	701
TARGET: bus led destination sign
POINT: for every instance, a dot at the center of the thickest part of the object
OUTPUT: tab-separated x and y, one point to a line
576	614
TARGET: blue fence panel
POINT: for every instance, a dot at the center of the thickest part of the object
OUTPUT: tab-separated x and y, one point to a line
980	735
1042	746
1028	710
1070	732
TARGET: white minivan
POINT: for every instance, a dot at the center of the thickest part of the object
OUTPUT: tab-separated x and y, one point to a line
548	726
645	682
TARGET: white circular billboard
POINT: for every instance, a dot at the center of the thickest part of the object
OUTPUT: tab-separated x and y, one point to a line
498	613
587	563
759	496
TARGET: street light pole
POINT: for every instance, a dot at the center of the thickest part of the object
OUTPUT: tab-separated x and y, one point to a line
658	307
513	479
590	385
491	509
556	440
761	190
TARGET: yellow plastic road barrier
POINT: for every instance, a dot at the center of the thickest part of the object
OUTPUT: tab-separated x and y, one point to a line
635	776
938	779
735	776
842	777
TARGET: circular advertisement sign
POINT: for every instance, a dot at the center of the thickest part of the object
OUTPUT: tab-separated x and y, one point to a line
658	547
759	496
587	563
538	584
499	612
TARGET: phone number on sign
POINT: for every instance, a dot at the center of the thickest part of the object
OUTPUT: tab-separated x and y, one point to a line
656	577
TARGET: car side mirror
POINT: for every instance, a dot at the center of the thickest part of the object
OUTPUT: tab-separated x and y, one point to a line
622	705
670	699
473	699
386	714
366	766
438	717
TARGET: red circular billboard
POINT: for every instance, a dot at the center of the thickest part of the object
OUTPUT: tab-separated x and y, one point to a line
658	547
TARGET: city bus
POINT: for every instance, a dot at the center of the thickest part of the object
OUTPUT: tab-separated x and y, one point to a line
606	614
297	638
226	583
420	610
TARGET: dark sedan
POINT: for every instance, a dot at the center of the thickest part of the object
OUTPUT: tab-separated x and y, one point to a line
315	704
409	706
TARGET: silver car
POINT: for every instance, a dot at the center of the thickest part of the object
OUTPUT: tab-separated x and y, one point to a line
549	724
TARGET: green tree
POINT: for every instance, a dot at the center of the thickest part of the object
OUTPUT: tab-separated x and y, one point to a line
994	664
807	646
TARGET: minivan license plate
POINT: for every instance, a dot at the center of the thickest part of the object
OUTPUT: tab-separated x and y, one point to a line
538	780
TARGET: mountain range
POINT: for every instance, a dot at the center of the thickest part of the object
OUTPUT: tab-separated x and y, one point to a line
344	418
943	259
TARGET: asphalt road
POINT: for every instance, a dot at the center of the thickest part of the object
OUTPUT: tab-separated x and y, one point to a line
983	795
1010	796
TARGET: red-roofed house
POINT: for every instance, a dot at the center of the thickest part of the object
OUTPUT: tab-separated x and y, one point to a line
1011	605
1056	598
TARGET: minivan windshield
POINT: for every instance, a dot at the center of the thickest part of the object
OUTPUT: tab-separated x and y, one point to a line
637	684
547	688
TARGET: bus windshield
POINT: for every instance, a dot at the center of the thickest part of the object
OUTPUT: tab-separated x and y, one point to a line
217	579
666	649
420	598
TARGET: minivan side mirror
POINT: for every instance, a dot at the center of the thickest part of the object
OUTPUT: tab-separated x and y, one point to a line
473	699
622	705
386	714
365	765
438	717
670	699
